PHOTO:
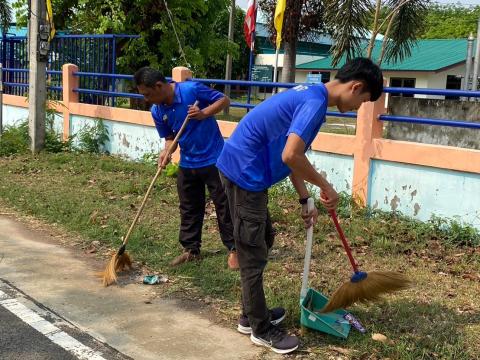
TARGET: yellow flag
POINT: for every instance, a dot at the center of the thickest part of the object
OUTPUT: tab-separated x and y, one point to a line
50	19
278	20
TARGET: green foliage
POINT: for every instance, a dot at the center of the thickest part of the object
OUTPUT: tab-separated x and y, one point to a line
53	141
150	158
202	28
14	139
171	170
5	15
92	138
402	31
454	233
450	21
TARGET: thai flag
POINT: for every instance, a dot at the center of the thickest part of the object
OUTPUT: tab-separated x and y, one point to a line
249	24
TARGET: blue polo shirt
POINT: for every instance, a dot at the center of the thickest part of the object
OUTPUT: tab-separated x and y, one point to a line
201	142
252	156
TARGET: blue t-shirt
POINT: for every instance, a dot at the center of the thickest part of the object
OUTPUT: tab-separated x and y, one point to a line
252	156
201	142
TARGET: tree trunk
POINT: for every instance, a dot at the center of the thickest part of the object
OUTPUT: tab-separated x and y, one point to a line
293	13
375	29
289	60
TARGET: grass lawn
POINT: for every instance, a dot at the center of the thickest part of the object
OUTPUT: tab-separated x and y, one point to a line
96	197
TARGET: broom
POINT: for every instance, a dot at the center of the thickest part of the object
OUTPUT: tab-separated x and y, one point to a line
362	287
121	260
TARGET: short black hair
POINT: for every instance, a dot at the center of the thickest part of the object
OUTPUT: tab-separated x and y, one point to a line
365	70
148	77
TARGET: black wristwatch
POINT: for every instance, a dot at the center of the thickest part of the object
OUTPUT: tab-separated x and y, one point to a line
304	200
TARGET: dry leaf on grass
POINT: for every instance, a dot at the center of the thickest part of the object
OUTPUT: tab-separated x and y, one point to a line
340	350
379	337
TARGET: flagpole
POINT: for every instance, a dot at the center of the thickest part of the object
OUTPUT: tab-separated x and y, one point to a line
274	90
250	66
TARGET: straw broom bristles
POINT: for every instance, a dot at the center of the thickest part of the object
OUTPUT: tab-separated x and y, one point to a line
121	259
369	289
362	287
116	264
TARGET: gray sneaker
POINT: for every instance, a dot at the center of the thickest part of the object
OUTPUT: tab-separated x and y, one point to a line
277	315
277	340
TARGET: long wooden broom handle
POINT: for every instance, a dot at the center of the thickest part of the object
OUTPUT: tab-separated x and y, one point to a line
333	215
159	171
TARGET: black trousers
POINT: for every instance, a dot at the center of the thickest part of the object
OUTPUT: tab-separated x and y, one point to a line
191	192
254	237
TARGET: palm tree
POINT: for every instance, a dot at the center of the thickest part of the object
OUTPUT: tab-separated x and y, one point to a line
348	22
399	20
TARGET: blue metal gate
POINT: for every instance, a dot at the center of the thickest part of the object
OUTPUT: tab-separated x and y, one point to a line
91	53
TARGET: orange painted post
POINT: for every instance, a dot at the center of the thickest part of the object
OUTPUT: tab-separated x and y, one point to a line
368	129
69	83
179	74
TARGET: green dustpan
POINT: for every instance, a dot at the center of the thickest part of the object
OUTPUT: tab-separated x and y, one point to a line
312	301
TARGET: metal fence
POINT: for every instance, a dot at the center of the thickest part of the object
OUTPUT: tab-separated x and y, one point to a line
96	57
391	90
91	53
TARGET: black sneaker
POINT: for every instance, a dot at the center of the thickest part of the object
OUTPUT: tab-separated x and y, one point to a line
276	317
277	340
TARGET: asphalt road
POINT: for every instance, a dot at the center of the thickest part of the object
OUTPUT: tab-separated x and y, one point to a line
31	331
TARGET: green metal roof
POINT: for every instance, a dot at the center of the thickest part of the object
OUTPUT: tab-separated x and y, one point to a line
303	48
426	55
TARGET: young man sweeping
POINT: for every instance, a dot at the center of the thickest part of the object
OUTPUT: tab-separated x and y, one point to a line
268	145
200	146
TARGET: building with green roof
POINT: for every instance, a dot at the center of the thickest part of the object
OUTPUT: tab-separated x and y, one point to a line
436	64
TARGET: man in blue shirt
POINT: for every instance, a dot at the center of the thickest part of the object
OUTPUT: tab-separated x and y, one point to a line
200	145
268	145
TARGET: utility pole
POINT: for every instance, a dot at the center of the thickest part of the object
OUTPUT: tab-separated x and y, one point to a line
468	70
476	63
38	46
1	98
228	67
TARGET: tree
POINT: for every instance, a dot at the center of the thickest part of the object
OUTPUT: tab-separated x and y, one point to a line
302	19
241	55
450	22
5	15
399	20
196	27
348	22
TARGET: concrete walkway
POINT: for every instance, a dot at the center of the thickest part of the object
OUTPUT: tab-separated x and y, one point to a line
63	280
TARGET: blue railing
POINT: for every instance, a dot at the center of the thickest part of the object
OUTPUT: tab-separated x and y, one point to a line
353	115
93	53
438	92
111	78
429	121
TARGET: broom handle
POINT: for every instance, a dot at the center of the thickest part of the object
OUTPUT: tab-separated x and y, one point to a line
159	171
308	253
333	214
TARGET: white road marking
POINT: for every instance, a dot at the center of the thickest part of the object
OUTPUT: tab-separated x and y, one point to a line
46	328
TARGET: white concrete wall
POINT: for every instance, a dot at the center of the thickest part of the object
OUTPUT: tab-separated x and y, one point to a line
439	80
269	59
14	115
127	140
422	192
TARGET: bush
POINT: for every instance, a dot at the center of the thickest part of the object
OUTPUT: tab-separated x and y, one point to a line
92	138
14	139
53	140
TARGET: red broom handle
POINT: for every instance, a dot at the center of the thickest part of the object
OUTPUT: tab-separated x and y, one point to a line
333	214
